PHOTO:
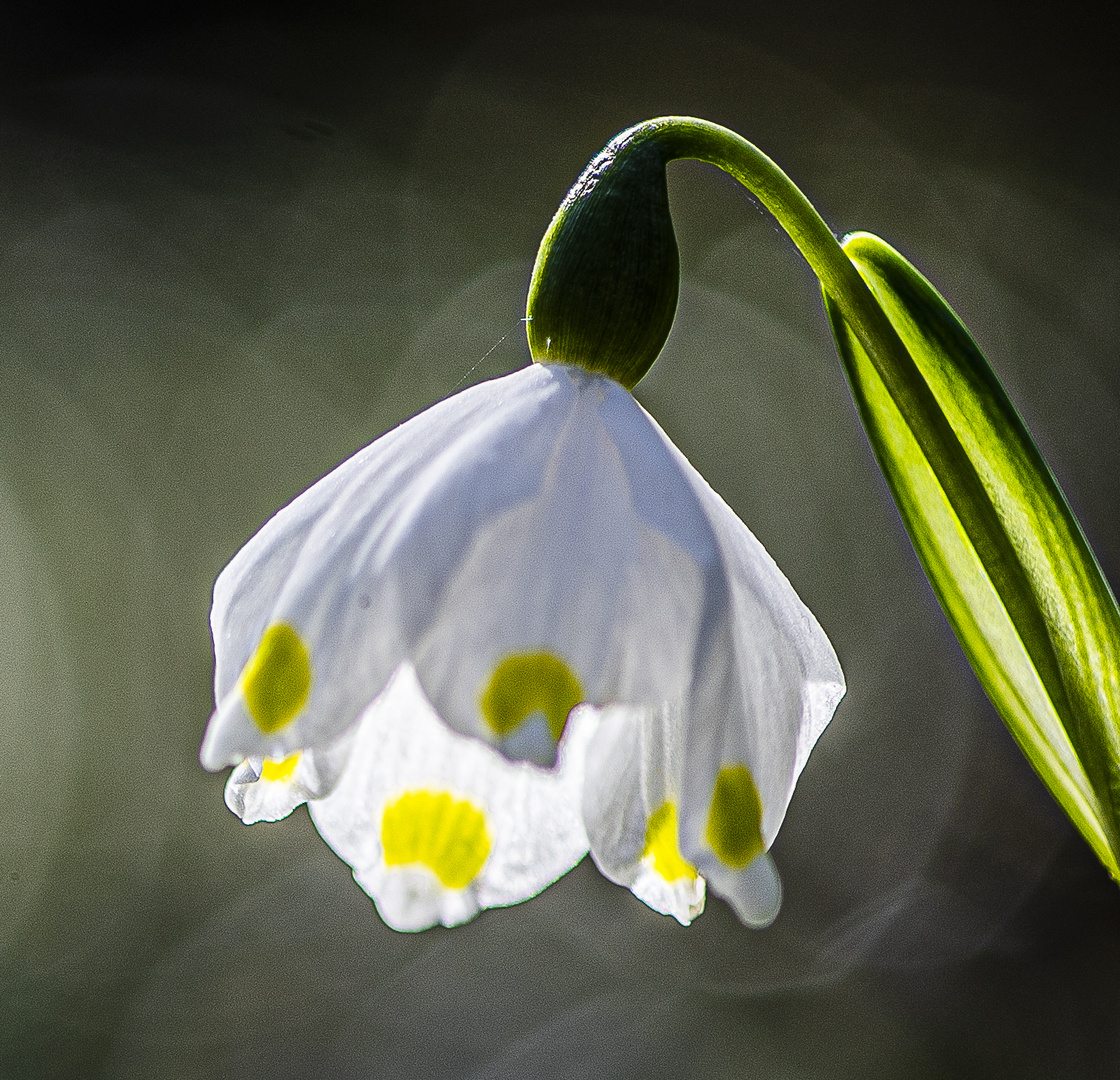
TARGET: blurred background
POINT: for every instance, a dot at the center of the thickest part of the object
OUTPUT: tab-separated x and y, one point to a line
239	241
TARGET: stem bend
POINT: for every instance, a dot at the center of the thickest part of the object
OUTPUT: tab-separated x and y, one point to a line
604	292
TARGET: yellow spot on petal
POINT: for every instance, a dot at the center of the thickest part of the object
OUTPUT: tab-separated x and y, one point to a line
661	851
447	835
530	683
279	770
277	679
735	818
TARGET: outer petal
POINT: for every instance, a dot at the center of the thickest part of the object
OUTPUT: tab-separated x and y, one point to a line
722	741
785	682
605	571
765	681
524	821
357	563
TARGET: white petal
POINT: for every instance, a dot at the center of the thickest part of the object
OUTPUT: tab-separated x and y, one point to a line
532	816
603	570
799	655
356	564
727	736
766	681
769	705
632	781
719	734
253	797
246	589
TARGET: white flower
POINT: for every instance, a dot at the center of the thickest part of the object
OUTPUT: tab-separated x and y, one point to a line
407	642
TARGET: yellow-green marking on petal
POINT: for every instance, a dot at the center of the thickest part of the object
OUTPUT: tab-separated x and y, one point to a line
447	835
530	683
735	818
661	851
279	770
277	679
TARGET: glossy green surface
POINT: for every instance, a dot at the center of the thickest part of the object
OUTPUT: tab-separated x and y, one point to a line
603	293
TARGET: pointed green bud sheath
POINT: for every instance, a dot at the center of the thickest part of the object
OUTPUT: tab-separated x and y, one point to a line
604	289
1000	545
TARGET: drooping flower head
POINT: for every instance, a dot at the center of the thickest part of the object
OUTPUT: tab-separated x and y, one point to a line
516	628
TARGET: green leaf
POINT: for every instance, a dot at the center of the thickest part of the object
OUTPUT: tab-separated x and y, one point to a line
1028	601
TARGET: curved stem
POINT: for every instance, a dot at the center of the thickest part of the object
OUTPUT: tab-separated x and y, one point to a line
687	137
701	140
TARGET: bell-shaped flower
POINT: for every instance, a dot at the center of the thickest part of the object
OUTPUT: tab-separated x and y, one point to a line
515	628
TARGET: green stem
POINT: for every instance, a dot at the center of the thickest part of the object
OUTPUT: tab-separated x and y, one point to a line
685	137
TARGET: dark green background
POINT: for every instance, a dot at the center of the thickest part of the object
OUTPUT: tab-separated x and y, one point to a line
239	243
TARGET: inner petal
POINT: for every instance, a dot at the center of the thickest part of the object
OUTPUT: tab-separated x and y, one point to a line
631	810
436	825
276	771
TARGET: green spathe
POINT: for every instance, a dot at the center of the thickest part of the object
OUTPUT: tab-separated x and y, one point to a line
1027	601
